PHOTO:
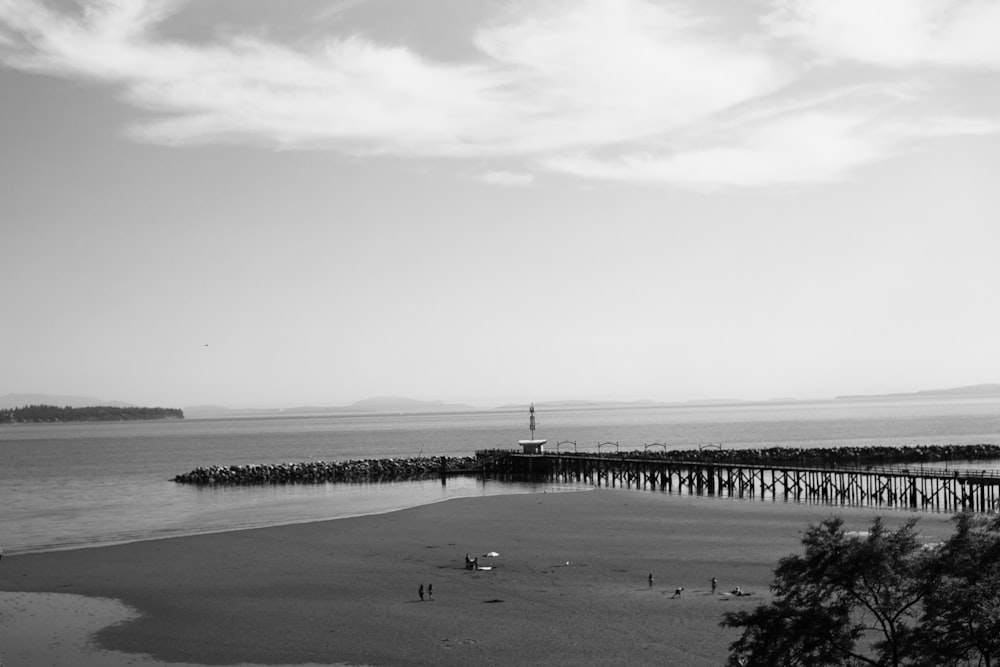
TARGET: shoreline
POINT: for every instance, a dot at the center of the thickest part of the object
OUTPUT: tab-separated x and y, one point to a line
196	532
569	587
222	510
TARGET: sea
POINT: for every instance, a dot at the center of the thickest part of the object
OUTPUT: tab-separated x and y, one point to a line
79	485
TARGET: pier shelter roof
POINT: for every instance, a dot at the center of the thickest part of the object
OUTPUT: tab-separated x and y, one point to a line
533	446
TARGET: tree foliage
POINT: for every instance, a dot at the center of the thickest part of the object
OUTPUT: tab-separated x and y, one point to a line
961	620
52	413
882	599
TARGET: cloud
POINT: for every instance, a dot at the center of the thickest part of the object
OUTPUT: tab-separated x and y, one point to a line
565	75
803	148
346	93
335	10
816	139
507	178
351	94
604	71
893	33
606	89
103	42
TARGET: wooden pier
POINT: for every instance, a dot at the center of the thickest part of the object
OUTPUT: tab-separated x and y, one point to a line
904	487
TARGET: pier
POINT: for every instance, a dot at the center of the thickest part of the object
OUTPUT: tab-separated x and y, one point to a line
909	477
894	486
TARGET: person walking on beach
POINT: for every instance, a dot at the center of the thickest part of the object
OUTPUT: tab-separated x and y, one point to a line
430	592
651	580
420	592
677	593
715	583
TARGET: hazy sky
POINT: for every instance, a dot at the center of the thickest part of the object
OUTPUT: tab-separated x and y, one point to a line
286	202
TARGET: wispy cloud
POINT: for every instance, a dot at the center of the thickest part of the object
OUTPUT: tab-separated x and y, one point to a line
804	148
785	140
335	10
605	72
508	178
893	33
606	89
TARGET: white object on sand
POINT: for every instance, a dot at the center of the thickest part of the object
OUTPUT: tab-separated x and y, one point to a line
492	554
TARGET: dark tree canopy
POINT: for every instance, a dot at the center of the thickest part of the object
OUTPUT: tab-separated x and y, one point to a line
52	413
882	599
961	619
847	600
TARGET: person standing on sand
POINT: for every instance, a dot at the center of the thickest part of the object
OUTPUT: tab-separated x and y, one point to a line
430	592
715	582
420	592
650	580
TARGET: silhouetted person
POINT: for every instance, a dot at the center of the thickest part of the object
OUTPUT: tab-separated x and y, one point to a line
420	592
715	582
430	592
650	579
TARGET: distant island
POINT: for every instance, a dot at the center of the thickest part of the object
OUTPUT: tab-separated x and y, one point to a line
955	392
41	414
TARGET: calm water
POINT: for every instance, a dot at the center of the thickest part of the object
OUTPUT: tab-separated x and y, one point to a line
74	485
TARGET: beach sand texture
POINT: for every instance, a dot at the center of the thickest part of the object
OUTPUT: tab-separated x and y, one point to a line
568	588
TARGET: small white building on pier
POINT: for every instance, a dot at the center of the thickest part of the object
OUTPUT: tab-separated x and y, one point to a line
532	446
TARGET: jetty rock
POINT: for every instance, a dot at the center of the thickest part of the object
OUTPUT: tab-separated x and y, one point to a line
318	472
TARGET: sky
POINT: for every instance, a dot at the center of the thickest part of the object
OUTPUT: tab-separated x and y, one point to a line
267	203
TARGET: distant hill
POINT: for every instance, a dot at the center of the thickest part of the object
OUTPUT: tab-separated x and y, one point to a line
955	392
368	405
10	401
210	411
398	404
580	405
972	390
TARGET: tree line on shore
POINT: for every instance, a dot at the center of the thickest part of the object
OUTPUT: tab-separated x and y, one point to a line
883	598
35	414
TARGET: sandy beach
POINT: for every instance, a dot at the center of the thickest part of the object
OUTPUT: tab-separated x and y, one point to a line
570	585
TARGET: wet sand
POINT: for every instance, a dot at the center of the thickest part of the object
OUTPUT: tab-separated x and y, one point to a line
569	587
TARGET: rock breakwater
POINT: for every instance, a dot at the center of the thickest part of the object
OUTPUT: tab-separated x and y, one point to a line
318	472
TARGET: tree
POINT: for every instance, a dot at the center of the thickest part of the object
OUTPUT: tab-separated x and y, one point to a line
961	620
847	600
